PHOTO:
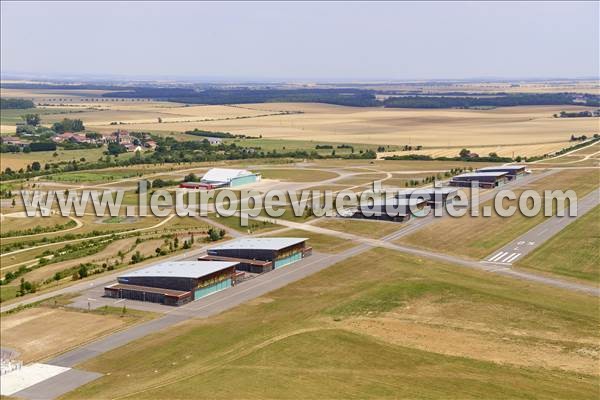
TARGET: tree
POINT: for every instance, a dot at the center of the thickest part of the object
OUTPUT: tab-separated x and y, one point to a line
464	153
115	149
31	119
82	271
68	125
36	166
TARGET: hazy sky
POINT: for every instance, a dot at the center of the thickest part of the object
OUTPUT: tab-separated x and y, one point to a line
302	41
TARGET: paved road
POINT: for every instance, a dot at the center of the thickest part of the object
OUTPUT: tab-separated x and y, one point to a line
533	238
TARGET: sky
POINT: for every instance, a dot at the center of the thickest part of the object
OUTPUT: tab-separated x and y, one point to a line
301	41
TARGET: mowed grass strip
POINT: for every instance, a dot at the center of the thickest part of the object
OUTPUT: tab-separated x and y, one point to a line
477	237
371	229
574	252
293	342
319	242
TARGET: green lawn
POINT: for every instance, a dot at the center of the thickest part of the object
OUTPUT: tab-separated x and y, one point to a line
299	341
573	252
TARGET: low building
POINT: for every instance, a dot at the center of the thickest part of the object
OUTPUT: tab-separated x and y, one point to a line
512	171
260	255
196	185
434	197
390	209
225	177
487	180
13	141
132	148
174	283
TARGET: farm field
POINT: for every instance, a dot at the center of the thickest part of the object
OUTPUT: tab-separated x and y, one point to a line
476	237
39	332
408	328
572	253
525	131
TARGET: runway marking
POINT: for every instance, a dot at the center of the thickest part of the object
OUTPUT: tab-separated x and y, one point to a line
498	256
511	258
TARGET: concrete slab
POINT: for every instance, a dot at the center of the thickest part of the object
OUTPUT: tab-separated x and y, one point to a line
28	376
57	385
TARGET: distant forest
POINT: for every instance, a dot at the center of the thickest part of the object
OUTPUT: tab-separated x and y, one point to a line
357	98
15	104
339	96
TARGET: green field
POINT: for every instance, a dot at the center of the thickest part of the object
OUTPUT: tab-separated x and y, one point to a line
297	174
11	117
573	252
284	145
306	341
93	176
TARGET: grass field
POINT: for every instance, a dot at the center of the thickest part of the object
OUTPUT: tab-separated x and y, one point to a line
39	332
573	252
372	229
297	174
477	237
483	337
319	242
15	161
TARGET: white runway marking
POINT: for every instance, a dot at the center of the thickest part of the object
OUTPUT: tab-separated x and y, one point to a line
498	256
511	258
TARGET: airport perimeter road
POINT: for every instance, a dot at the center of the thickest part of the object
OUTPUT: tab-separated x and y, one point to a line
533	238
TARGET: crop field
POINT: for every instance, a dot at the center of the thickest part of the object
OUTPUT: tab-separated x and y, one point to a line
476	237
573	252
525	131
408	328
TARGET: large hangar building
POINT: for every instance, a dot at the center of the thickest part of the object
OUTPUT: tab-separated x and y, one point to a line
225	177
258	255
486	180
435	197
512	171
174	283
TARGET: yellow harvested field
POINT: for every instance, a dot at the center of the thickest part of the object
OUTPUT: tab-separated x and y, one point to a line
522	130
